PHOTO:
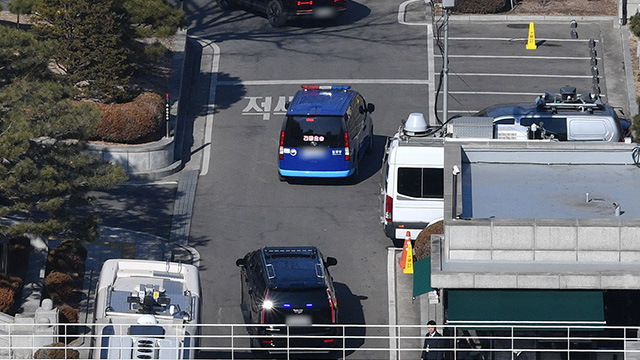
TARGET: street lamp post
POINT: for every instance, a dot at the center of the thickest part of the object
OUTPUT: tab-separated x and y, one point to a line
446	4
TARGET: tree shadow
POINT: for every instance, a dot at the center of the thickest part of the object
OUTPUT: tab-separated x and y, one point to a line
146	208
196	99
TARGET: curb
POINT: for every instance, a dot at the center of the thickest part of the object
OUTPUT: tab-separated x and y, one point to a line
549	18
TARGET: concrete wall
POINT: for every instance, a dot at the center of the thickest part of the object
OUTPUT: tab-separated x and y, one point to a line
152	159
632	6
163	157
566	241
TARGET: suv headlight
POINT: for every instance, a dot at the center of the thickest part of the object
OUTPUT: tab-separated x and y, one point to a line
267	305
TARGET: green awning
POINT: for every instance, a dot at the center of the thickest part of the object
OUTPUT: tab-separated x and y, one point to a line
565	307
422	277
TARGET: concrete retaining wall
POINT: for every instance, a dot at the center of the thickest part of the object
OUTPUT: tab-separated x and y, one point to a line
160	158
151	159
567	241
632	7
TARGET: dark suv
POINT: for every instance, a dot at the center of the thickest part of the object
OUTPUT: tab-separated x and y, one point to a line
279	11
287	295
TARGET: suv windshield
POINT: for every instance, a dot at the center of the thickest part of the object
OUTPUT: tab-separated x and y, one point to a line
312	301
326	131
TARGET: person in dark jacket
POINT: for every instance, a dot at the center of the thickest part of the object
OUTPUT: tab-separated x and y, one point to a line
432	341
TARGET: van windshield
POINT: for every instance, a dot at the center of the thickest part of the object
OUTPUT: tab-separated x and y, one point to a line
326	131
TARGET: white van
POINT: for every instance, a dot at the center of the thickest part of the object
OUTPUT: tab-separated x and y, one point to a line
564	116
412	185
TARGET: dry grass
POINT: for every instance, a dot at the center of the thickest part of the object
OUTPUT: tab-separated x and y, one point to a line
566	7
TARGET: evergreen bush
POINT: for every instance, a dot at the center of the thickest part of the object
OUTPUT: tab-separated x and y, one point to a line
634	24
67	257
9	286
59	286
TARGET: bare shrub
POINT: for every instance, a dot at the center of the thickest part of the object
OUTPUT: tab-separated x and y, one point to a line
422	247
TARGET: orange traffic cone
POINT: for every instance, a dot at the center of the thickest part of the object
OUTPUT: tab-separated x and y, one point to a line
405	248
408	265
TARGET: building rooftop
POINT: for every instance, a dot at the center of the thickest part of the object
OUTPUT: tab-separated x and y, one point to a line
539	216
550	191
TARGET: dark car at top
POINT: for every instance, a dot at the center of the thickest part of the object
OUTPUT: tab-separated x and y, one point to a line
279	11
288	298
326	132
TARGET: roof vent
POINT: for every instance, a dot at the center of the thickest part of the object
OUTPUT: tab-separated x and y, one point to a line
145	349
416	125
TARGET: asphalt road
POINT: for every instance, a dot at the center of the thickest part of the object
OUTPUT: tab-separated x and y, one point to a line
240	205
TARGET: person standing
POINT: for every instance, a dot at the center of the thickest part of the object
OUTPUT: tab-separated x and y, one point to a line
433	340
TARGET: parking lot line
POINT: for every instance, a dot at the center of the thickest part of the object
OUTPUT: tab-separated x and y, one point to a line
523	39
555	76
523	57
327	81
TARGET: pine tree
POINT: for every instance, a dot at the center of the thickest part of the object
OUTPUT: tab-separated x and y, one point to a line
89	38
153	17
45	172
19	7
22	55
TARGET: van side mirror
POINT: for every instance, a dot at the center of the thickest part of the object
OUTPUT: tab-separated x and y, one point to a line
241	262
371	108
330	261
286	105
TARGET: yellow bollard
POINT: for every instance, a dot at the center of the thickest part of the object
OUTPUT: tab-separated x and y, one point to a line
531	43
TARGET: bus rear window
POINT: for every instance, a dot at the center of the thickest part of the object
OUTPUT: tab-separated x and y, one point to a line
326	131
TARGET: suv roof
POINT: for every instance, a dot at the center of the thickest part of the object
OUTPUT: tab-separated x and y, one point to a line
293	267
321	100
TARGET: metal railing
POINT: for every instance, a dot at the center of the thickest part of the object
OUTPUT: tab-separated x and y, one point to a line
232	341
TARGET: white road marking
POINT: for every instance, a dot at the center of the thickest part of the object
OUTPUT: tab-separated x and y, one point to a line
526	75
208	128
523	57
499	93
431	65
402	9
327	81
391	291
524	39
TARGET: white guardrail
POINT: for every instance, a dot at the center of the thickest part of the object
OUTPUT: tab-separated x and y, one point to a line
231	341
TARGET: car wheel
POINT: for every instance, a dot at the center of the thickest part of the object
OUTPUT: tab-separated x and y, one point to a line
275	14
225	4
280	177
